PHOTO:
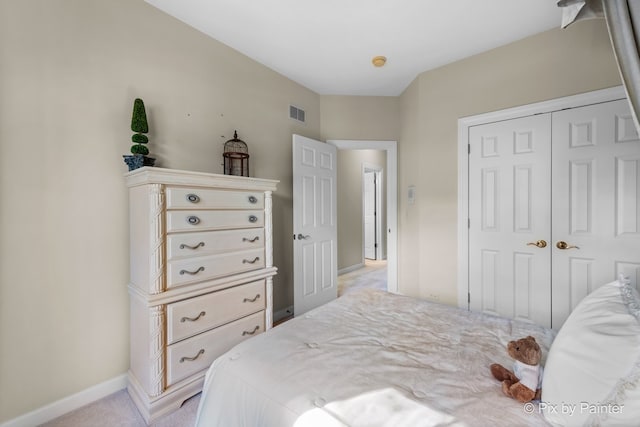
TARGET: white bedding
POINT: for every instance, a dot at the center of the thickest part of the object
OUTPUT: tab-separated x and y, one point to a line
371	358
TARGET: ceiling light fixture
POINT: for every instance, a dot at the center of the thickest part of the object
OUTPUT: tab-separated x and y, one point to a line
379	61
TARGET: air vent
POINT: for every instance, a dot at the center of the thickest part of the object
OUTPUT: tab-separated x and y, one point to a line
296	113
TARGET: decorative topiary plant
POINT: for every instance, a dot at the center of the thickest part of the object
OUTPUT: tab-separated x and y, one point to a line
139	150
140	126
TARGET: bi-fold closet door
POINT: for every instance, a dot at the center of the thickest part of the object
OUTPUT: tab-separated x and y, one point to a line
554	210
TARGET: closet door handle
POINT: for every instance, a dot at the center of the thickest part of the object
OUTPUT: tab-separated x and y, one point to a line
540	243
564	245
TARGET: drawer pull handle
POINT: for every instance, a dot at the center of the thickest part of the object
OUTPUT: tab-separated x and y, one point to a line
254	299
193	220
252	332
182	246
253	218
253	199
246	239
191	359
183	272
193	319
193	198
246	261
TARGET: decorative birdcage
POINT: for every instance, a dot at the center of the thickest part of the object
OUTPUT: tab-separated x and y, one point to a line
236	157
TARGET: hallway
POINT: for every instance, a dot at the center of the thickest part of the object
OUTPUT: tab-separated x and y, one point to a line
372	275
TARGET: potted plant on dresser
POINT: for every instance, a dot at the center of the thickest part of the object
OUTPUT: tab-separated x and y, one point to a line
139	150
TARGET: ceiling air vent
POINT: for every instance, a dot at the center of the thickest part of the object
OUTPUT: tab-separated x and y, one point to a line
296	113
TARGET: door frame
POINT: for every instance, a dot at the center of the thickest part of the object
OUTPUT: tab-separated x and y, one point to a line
377	171
464	123
391	147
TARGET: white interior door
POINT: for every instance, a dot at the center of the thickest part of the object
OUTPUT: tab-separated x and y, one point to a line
315	262
596	201
510	218
369	194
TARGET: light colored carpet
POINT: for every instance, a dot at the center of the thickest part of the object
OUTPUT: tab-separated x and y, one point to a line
118	410
372	275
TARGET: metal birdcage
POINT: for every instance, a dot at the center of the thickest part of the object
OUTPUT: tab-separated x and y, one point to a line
236	157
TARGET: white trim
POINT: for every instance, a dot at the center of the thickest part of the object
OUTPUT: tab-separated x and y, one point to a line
69	403
464	123
391	147
350	268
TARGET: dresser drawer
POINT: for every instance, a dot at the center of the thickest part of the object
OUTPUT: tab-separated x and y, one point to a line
197	353
212	220
213	242
191	270
204	198
190	317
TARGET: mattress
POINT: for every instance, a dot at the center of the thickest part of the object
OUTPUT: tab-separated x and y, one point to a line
371	358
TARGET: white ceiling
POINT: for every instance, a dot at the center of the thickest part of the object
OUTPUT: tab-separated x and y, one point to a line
327	45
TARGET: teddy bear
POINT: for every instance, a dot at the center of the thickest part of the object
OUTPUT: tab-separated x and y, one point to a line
523	384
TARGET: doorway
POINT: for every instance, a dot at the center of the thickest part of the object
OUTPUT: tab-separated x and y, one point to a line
390	230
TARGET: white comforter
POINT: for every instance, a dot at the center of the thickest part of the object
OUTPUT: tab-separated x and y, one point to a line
370	358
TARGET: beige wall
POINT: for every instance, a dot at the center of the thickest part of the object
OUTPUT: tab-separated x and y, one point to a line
373	118
360	117
350	213
70	72
549	65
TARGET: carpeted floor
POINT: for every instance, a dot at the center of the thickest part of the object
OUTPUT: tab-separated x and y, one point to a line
118	410
372	275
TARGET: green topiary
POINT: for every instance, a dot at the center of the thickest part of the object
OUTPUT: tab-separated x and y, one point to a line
139	125
140	149
139	138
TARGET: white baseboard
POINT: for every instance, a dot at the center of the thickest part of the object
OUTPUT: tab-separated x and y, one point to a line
350	268
280	314
68	404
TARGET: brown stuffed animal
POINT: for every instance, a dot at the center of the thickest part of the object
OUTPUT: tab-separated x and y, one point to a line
523	384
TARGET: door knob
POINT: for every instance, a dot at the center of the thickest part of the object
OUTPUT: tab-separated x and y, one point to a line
305	237
540	243
564	245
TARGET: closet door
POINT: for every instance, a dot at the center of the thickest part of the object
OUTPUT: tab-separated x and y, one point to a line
596	202
509	218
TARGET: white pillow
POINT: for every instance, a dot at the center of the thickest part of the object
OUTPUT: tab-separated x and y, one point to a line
592	373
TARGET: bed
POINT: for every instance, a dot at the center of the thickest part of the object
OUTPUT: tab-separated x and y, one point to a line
371	358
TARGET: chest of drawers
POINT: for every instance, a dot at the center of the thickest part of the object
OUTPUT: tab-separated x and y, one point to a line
201	277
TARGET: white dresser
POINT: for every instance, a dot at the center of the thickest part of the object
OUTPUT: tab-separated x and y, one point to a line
201	277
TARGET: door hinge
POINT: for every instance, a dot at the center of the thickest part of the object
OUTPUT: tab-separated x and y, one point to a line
468	222
468	297
468	148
